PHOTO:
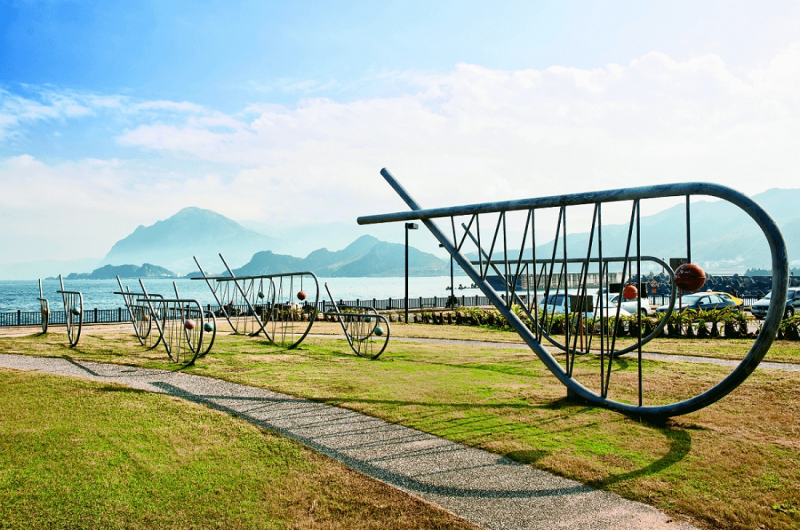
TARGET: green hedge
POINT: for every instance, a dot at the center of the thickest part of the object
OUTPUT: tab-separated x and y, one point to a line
716	324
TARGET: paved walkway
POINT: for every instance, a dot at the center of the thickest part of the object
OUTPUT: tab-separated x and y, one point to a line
485	489
763	365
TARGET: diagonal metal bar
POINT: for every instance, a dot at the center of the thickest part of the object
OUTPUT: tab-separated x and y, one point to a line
461	244
521	251
619	298
214	293
247	301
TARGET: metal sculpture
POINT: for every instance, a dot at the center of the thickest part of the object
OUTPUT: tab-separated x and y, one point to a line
511	264
181	323
210	325
73	313
366	331
45	307
274	304
141	317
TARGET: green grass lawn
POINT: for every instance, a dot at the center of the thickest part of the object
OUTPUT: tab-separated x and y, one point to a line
735	464
79	454
734	349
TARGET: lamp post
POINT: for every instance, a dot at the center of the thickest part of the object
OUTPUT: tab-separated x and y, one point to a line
409	226
452	298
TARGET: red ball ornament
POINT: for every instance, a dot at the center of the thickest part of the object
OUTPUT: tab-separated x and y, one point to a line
630	292
301	295
189	324
690	277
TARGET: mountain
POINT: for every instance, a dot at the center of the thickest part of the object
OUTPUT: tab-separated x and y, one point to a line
365	257
724	238
109	272
171	243
301	239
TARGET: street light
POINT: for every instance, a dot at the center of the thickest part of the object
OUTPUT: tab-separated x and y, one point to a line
452	298
409	226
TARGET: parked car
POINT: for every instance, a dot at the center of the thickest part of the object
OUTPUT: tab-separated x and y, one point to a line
727	296
699	302
759	309
555	305
631	306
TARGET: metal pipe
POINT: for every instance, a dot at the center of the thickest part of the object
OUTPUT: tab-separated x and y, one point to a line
591	197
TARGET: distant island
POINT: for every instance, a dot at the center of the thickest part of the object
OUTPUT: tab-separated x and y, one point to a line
109	272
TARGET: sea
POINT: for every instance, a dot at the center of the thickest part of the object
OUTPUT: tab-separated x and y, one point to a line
22	294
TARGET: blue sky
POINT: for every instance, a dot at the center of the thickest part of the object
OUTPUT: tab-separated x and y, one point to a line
129	111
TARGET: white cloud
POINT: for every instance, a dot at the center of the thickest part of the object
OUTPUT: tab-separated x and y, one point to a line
471	135
654	120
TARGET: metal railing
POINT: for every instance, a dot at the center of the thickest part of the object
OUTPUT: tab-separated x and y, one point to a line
91	316
109	316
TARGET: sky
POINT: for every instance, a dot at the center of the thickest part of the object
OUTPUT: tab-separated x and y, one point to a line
117	114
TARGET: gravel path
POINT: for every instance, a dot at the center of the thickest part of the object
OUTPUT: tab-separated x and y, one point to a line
481	487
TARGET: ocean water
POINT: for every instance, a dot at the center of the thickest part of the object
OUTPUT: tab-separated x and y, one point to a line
21	295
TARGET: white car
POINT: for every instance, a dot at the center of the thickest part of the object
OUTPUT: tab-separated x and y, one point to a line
556	302
631	306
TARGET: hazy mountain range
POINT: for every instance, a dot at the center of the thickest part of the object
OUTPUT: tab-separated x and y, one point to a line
171	243
724	240
364	257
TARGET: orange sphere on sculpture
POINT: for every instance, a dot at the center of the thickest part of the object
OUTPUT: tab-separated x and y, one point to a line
189	324
630	292
301	295
690	277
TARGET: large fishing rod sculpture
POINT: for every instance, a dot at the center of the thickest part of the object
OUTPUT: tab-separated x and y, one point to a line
278	305
45	308
366	331
73	313
628	388
181	324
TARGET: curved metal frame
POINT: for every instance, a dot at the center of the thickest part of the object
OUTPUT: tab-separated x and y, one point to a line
255	309
780	278
72	300
183	345
45	307
359	328
141	316
210	317
565	348
207	315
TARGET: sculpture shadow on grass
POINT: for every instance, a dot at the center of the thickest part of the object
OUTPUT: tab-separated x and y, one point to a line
680	444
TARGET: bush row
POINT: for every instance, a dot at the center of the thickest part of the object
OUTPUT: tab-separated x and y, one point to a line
715	324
